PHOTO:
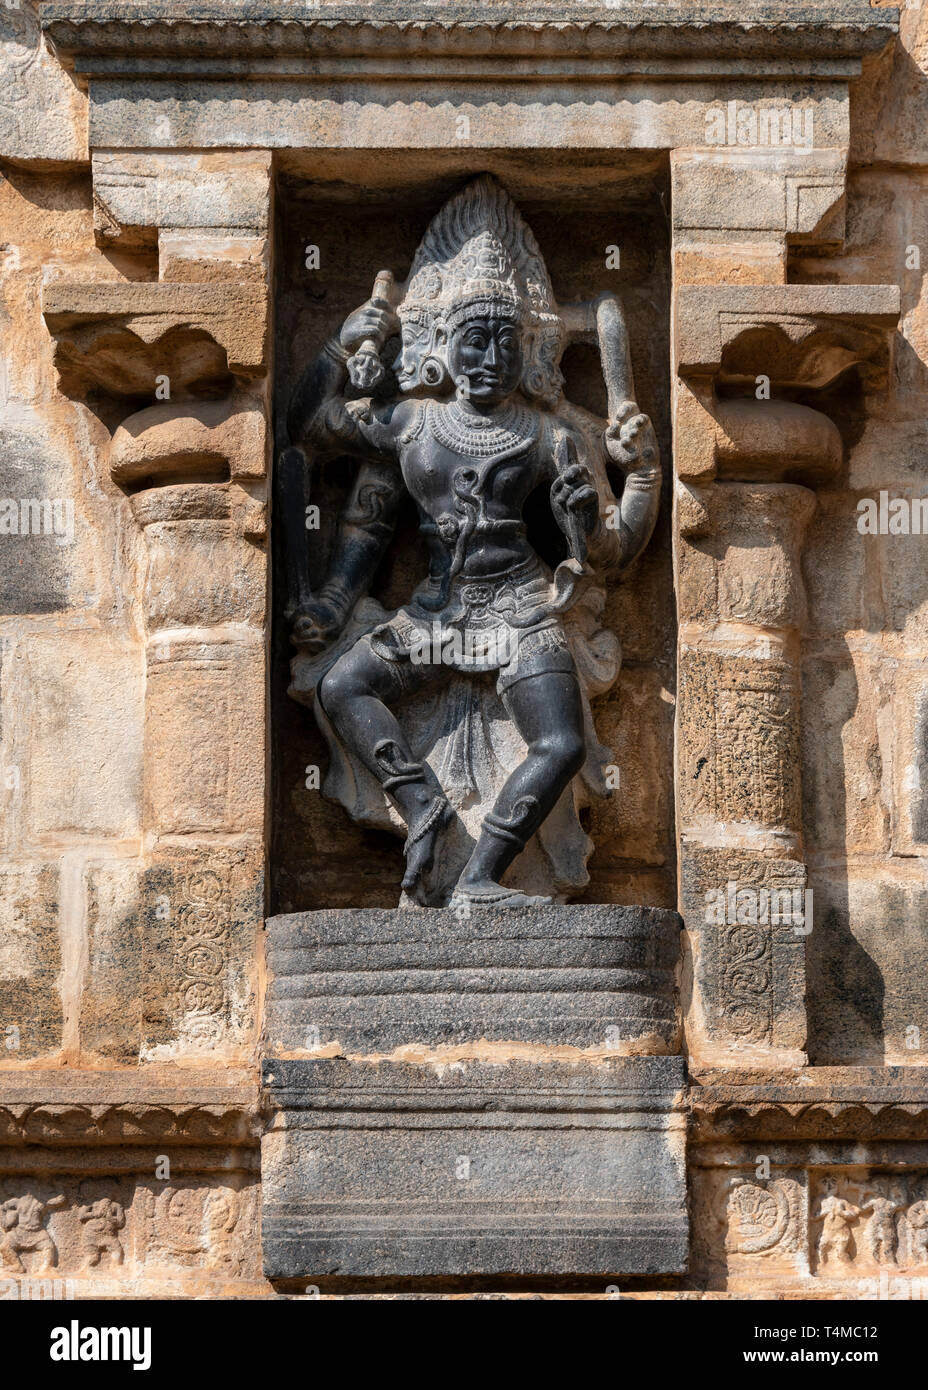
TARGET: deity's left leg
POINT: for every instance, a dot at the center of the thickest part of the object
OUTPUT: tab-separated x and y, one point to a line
547	710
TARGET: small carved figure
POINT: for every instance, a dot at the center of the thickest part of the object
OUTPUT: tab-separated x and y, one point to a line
881	1228
835	1241
22	1233
480	427
917	1218
102	1220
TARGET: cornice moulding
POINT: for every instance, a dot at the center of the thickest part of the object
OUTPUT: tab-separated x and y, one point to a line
100	37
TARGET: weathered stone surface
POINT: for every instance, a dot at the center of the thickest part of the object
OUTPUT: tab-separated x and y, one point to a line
867	957
203	687
194	256
117	954
84	766
848	742
170	969
167	440
43	114
37	520
599	978
517	1168
760	189
30	960
134	193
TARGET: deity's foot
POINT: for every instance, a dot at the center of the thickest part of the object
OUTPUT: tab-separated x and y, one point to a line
421	846
486	893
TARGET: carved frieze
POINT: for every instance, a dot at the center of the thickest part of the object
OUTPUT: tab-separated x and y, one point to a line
125	1232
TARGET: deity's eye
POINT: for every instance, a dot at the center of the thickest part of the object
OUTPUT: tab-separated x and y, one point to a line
476	337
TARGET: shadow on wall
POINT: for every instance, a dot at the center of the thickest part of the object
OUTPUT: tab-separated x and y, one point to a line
865	759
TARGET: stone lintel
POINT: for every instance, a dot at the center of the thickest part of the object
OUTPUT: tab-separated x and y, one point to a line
847	29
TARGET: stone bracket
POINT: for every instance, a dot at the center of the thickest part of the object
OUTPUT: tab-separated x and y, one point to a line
118	336
710	318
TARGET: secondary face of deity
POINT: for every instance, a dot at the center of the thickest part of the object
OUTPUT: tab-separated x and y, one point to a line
485	360
413	347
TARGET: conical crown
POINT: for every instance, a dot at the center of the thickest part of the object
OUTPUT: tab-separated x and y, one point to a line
478	258
479	255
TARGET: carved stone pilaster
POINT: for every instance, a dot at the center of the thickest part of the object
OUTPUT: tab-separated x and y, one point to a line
749	457
191	349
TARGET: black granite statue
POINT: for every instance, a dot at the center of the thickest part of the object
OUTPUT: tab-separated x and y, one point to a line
477	423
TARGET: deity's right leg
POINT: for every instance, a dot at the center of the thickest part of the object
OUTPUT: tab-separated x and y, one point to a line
353	694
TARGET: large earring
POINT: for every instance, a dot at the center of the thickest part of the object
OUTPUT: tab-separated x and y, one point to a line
534	379
433	370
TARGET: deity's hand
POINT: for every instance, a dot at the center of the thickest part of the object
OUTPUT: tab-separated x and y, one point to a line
574	498
375	320
316	625
630	440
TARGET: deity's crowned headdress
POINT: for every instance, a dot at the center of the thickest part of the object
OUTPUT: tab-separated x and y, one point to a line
478	258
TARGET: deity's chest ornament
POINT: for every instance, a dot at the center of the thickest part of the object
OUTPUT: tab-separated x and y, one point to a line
463	432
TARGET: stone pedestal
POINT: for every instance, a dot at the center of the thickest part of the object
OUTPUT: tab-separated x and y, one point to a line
597	977
519	1167
460	1097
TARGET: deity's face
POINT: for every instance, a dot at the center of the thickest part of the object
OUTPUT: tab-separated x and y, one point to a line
485	359
413	347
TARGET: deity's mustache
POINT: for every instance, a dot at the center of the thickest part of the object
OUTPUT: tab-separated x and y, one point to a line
485	378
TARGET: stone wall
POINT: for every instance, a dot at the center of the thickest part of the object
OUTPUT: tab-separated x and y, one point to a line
163	170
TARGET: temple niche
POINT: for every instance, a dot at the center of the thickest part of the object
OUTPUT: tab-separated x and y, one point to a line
608	837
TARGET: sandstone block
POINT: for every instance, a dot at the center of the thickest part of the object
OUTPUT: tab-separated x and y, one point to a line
138	193
43	114
204	763
83	771
30	961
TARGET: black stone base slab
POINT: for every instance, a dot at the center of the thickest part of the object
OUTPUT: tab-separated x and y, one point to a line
591	976
395	1170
